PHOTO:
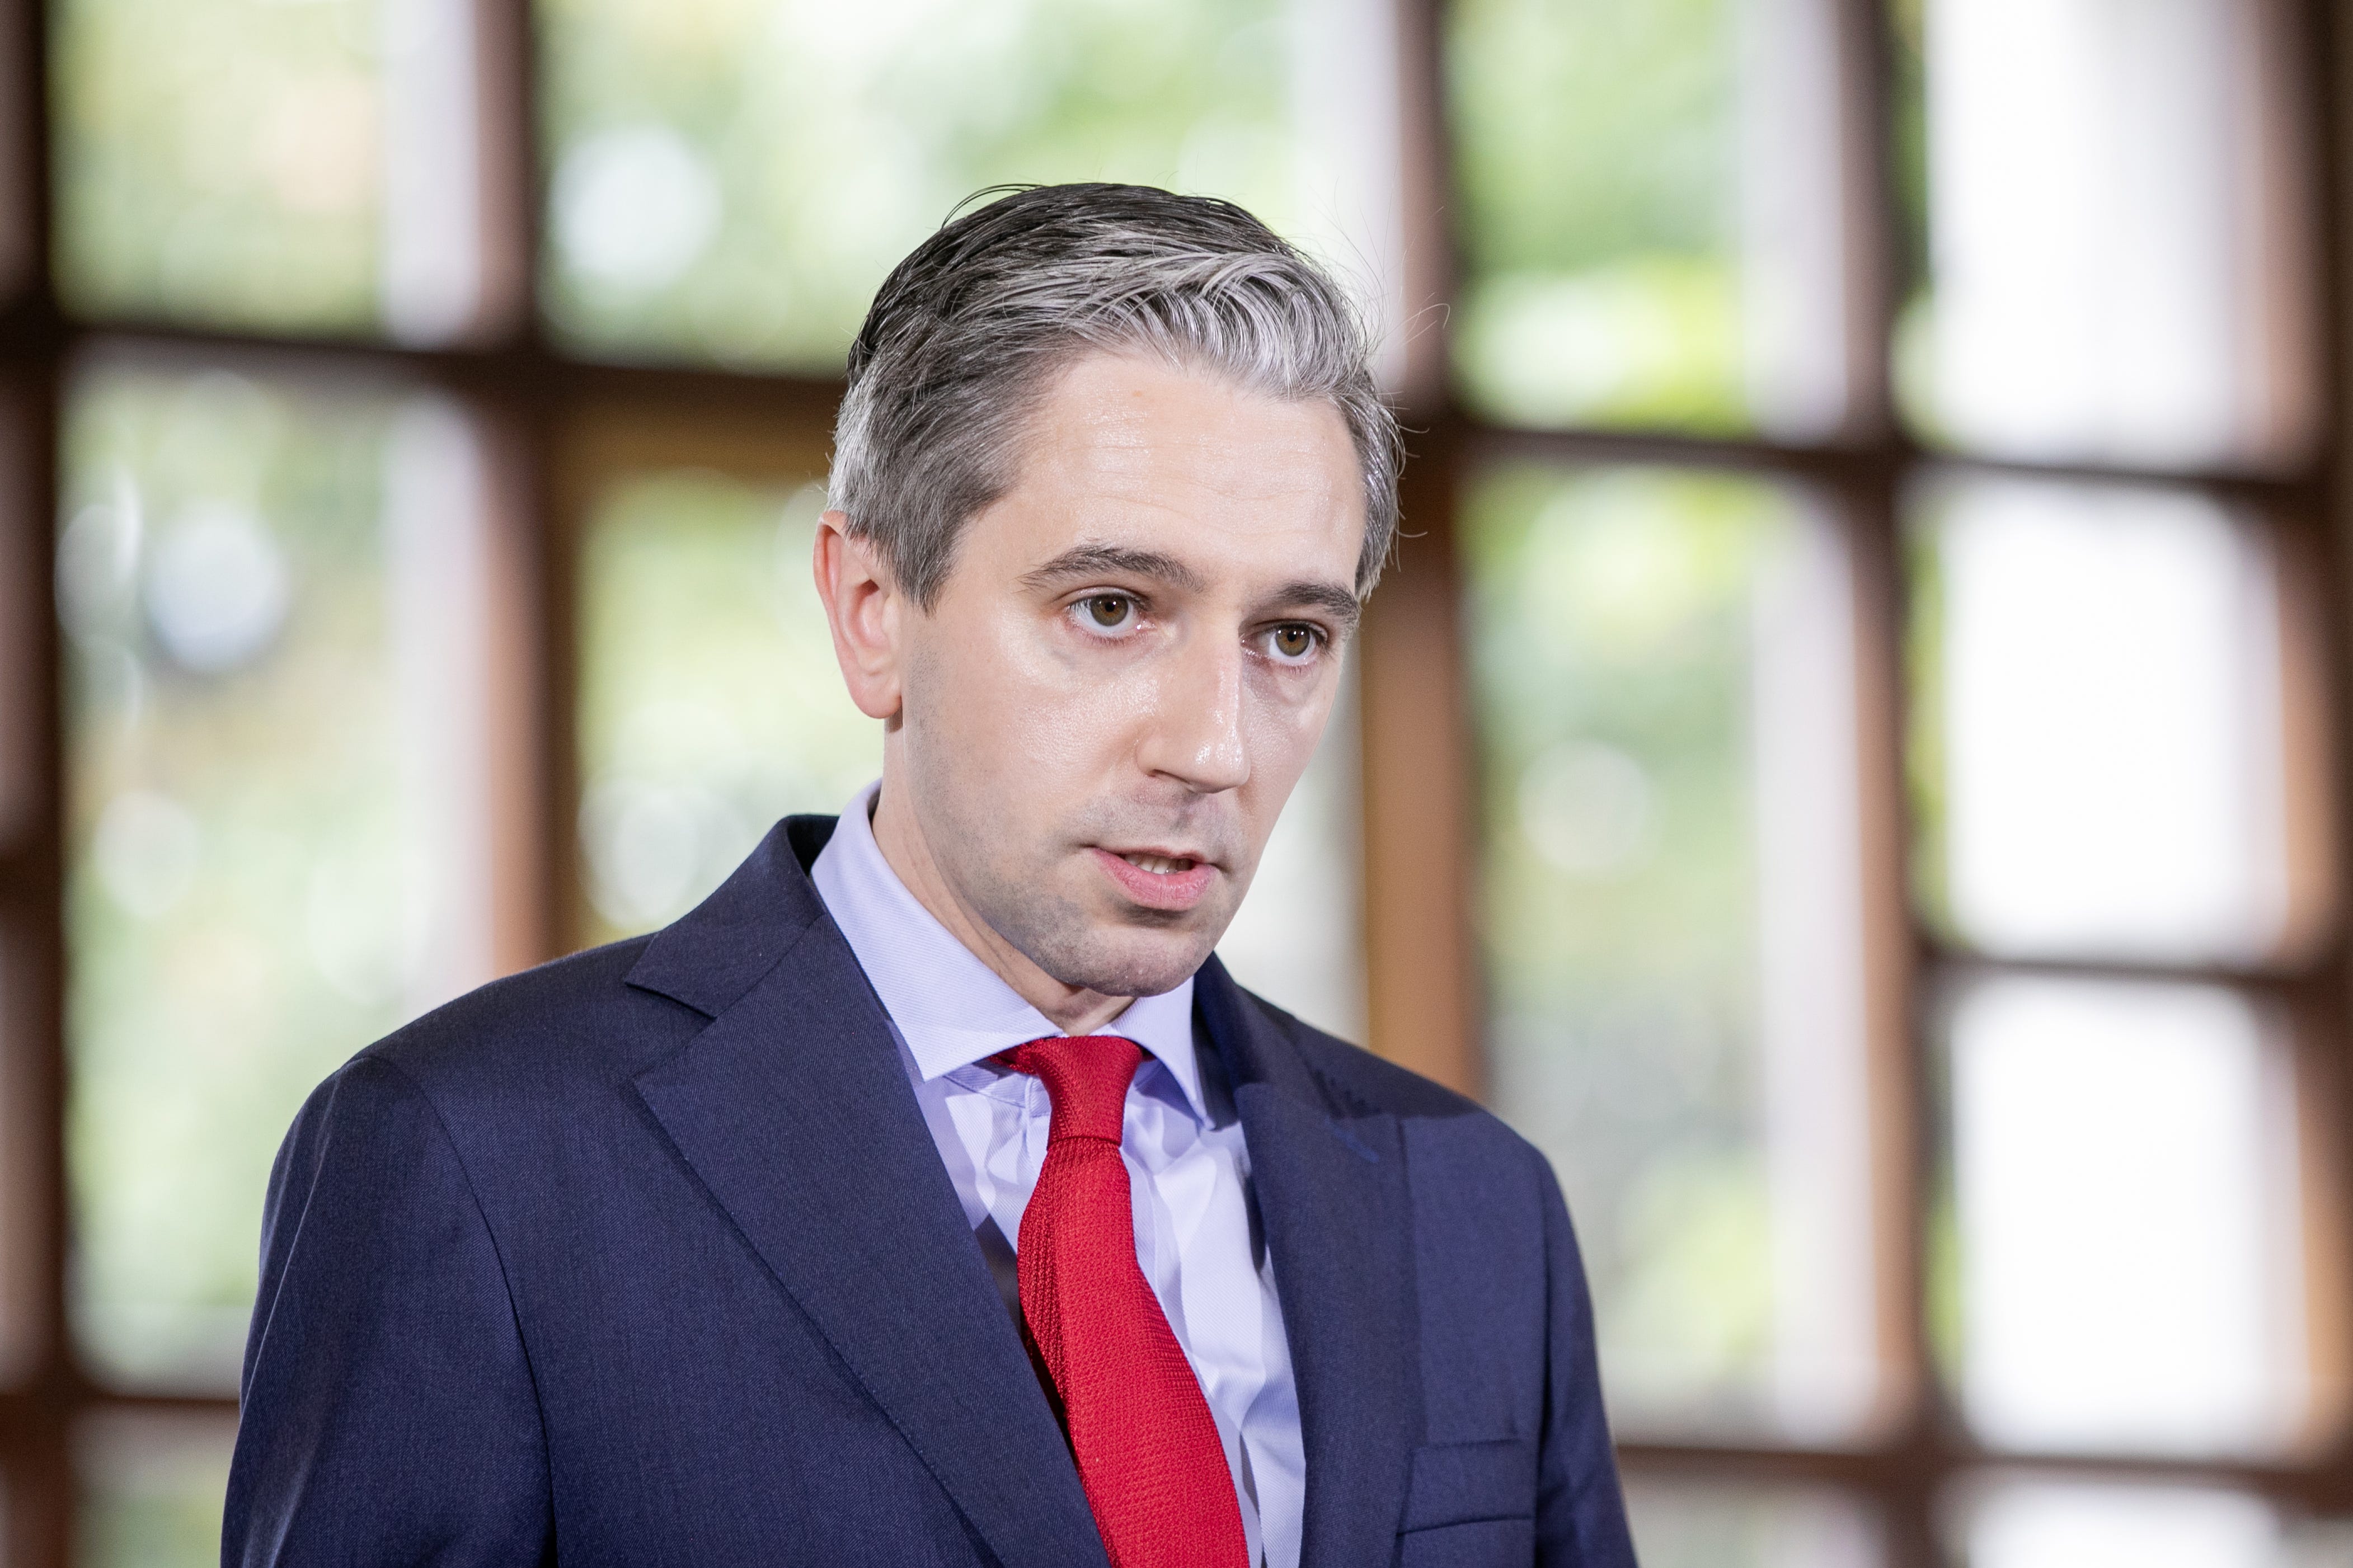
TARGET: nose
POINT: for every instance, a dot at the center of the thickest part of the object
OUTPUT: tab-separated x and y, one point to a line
1195	738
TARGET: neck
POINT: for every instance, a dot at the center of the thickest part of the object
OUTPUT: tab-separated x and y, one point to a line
1073	1009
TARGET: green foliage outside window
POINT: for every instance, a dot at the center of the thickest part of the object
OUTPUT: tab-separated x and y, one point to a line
730	180
151	1491
1594	145
1610	621
219	162
711	703
235	845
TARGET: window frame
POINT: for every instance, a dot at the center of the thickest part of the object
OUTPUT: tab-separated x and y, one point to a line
553	425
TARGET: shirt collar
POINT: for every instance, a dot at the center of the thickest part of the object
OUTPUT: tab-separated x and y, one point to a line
952	1009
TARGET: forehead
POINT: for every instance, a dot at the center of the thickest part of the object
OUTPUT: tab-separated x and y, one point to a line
1122	446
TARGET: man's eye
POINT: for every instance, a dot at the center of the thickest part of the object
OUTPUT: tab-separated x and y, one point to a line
1110	610
1294	642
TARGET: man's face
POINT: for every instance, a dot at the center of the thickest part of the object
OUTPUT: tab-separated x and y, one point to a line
1130	663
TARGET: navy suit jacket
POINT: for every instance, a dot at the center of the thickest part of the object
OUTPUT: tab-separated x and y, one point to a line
646	1257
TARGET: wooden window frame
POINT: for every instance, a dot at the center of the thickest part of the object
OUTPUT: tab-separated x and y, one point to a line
549	422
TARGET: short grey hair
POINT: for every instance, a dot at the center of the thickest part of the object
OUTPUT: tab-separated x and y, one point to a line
968	332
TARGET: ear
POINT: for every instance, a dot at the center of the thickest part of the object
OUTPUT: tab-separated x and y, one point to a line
863	606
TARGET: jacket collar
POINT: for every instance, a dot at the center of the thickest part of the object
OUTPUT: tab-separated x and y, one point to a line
725	945
1329	1176
793	1109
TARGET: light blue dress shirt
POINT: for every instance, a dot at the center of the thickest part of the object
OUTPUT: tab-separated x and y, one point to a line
1197	1233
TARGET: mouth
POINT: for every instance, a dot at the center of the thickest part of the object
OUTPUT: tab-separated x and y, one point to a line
1157	879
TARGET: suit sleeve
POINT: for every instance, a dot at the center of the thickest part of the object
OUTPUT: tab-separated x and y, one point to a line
387	1412
1580	1511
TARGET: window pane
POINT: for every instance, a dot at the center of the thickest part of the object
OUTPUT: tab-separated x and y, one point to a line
151	1488
2115	244
1688	1524
2098	758
287	167
2065	1524
1665	680
732	181
2124	1181
278	829
1652	213
709	701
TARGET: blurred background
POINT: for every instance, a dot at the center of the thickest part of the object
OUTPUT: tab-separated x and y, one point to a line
1850	759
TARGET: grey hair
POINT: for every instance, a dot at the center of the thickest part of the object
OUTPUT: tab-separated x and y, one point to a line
967	334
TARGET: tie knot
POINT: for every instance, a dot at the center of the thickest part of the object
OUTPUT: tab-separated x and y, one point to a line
1086	1078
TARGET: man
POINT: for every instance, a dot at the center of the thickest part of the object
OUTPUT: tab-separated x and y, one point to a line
930	1194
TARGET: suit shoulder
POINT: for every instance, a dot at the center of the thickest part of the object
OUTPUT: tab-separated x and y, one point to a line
574	1016
1449	1133
1368	1083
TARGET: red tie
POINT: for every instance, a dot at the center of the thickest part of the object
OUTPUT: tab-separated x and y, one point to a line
1147	1448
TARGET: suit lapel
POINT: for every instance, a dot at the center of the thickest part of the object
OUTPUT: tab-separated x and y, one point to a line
793	1109
1330	1181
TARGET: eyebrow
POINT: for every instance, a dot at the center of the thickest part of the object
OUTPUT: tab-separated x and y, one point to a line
1334	600
1094	560
1084	561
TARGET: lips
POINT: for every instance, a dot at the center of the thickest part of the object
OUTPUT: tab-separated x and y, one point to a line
1156	879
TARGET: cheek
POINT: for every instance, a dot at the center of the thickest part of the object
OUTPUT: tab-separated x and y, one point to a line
1004	701
1281	725
1080	716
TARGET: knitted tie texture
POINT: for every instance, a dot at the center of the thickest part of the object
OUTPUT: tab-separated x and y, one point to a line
1147	1448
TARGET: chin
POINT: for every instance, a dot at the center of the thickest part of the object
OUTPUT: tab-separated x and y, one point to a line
1130	962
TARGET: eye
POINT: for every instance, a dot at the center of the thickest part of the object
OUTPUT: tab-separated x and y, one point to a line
1294	643
1108	612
